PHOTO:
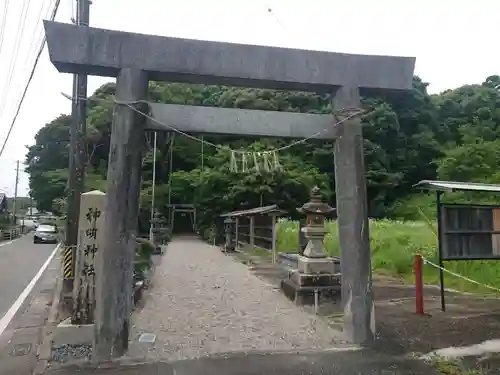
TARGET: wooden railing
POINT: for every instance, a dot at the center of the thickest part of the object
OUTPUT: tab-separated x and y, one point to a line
255	227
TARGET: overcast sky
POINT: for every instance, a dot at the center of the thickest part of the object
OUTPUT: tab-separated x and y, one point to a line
452	41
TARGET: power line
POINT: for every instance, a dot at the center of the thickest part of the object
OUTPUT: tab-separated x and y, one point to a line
20	104
15	54
43	13
39	18
271	12
4	23
278	21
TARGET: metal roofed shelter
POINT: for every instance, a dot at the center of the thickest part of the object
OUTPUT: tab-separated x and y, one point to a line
465	231
256	226
450	186
264	210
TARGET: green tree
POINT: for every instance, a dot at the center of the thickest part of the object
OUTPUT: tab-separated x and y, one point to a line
47	162
408	137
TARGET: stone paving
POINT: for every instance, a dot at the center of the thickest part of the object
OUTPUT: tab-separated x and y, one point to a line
360	362
202	302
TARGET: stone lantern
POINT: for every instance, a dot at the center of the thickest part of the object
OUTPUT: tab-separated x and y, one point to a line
228	223
156	219
159	228
155	226
316	272
314	258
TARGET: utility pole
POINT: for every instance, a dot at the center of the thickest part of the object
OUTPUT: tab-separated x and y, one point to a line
77	150
14	207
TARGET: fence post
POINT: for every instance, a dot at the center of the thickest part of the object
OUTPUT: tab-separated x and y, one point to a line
251	231
236	235
273	248
419	284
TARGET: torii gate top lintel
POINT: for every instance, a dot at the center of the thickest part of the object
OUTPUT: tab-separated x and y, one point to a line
78	49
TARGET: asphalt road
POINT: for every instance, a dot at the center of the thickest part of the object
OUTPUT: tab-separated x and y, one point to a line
20	261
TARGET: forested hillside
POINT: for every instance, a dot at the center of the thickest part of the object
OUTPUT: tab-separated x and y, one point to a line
409	138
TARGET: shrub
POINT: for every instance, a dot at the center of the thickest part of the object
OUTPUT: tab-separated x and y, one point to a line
209	234
144	251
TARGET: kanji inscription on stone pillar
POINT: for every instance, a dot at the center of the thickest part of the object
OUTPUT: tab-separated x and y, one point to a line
90	232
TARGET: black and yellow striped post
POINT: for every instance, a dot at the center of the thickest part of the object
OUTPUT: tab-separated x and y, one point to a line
67	261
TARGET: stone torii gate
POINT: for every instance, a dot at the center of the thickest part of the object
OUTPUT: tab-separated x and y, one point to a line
134	59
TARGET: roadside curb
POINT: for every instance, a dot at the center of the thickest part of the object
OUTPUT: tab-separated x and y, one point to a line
44	350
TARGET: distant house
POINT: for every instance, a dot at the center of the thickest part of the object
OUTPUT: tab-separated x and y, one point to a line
3	203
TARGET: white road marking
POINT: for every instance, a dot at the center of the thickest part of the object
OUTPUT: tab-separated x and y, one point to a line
9	315
12	241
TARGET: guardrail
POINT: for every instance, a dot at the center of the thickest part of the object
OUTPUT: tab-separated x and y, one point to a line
10	234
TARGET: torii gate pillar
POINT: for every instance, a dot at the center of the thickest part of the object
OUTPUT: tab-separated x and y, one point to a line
114	265
352	221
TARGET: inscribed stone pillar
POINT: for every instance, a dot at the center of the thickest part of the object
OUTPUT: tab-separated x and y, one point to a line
90	235
114	298
353	229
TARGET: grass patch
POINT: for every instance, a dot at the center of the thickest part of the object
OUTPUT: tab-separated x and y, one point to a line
453	367
394	244
259	252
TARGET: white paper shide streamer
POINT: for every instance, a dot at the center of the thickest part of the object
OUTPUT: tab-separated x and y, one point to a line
258	162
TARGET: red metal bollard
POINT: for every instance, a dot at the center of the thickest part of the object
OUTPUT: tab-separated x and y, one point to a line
419	284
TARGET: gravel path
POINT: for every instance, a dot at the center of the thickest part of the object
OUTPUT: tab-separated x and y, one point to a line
203	302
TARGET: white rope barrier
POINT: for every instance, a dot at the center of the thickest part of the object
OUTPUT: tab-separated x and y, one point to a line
426	261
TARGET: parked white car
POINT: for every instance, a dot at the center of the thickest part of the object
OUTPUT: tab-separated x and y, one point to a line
46	233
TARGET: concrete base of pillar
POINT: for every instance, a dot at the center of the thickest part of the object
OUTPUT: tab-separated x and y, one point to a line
73	334
301	288
315	280
66	305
